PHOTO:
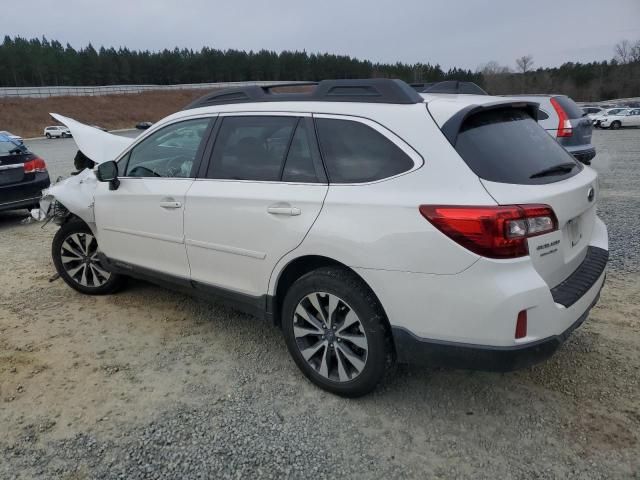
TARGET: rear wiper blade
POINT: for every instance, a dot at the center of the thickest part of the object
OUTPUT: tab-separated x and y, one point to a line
560	168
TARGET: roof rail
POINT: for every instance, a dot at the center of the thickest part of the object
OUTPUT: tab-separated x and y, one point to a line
370	90
449	86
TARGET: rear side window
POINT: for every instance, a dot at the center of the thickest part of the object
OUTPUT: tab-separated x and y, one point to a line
251	148
299	164
354	152
542	115
569	106
508	146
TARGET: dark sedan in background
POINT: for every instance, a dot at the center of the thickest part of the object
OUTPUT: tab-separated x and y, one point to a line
23	176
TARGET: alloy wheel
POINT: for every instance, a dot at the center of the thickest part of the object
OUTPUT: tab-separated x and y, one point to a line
78	255
330	336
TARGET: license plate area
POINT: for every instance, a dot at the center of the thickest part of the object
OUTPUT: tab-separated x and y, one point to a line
574	231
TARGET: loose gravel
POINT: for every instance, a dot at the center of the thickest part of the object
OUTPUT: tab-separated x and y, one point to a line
150	384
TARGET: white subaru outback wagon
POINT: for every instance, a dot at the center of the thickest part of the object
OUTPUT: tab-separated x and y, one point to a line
372	224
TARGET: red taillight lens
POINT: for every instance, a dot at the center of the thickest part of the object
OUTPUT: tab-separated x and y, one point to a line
35	165
564	124
521	324
494	232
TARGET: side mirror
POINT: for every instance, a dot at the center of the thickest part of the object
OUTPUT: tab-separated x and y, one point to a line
108	172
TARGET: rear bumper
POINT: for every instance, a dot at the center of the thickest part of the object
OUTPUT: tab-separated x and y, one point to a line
24	194
584	156
413	349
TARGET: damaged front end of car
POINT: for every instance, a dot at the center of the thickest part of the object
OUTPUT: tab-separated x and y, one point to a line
74	196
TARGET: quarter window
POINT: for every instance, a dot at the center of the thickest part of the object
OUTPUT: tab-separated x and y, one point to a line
354	152
169	152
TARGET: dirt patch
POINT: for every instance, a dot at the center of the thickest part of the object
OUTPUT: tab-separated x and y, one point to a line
28	116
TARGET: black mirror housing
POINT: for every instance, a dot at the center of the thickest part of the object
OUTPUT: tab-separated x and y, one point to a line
108	172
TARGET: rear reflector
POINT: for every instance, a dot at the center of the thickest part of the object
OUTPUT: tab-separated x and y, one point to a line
494	231
521	325
36	165
564	124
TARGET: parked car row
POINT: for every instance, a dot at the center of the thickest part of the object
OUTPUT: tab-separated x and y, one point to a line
615	118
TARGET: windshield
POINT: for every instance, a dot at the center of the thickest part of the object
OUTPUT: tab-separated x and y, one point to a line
508	146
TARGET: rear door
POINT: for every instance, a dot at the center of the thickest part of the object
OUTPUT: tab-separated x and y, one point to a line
518	163
256	200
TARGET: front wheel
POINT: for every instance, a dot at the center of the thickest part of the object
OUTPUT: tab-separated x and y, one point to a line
615	125
75	256
48	135
336	332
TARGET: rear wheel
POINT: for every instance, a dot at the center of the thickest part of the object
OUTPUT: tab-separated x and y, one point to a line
48	135
336	332
615	125
75	256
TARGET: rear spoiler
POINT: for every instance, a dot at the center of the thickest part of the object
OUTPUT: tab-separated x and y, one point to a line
451	127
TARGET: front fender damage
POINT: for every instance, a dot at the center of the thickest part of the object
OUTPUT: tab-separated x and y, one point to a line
75	194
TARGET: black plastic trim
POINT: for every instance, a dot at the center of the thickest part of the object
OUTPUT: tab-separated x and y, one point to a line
259	306
436	353
582	279
584	156
370	90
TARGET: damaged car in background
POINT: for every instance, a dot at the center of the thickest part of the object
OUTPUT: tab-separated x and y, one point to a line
371	223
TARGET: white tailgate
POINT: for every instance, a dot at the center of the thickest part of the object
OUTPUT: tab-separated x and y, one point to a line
556	255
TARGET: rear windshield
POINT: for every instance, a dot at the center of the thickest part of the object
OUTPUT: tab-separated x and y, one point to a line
569	106
7	147
508	146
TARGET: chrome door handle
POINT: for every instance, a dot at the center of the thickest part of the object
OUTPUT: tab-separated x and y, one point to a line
284	210
170	204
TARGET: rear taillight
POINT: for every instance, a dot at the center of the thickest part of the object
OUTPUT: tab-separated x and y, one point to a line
564	124
35	165
494	232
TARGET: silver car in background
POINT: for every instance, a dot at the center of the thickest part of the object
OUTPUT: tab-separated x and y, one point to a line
564	120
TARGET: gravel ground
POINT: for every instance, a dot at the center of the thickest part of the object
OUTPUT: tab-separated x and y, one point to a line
153	384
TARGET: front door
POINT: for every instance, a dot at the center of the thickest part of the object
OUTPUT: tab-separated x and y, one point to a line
263	189
141	222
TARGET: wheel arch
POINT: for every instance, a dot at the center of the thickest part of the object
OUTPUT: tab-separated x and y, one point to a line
300	266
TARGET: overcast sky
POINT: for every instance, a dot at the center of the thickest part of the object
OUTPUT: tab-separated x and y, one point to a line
464	33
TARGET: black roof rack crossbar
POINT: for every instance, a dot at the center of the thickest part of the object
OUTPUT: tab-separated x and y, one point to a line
370	90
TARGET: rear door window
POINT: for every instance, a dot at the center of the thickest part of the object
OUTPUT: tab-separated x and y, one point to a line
508	146
251	148
570	107
354	152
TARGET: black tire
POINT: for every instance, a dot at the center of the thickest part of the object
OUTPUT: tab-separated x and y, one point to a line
359	298
615	125
48	135
96	284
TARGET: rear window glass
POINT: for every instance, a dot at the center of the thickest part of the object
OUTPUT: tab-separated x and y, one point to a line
569	106
508	146
7	147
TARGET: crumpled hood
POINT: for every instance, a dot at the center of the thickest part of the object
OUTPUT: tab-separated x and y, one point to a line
99	146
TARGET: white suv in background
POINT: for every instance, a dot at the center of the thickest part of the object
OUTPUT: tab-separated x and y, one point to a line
57	132
372	224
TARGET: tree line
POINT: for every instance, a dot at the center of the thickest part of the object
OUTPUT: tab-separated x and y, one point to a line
42	62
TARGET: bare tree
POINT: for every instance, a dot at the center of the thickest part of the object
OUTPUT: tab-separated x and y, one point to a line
524	63
623	51
493	68
635	52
